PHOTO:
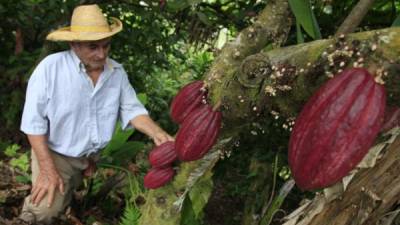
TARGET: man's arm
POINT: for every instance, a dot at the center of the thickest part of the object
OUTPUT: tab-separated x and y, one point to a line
48	179
147	126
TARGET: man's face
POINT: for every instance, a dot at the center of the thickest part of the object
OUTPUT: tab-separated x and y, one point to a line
93	54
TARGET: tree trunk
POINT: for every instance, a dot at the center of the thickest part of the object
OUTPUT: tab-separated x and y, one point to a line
256	85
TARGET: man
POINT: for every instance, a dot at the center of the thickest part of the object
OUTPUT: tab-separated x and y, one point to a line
73	101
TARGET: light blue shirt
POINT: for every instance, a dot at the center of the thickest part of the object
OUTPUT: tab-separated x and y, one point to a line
77	117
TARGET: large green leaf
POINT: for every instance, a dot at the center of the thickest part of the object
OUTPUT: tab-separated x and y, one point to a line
299	33
200	193
177	5
126	152
188	214
118	140
305	16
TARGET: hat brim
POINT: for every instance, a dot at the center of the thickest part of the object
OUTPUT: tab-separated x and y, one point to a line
65	33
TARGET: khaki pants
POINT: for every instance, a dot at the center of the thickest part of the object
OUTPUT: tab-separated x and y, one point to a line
70	169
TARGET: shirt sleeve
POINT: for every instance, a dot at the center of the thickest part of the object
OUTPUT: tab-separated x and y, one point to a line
130	106
34	117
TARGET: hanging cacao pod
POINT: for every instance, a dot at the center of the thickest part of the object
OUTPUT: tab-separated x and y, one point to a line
336	128
163	155
198	133
158	177
188	99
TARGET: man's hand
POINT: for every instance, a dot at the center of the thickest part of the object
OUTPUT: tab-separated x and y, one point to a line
48	180
146	125
47	183
161	136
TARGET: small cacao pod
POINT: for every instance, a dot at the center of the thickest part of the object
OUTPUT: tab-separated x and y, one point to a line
198	133
163	155
336	128
188	99
392	118
158	177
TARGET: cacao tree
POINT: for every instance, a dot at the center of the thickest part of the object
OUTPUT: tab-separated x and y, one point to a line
255	79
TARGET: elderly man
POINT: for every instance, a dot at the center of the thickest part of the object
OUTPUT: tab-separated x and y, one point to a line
73	101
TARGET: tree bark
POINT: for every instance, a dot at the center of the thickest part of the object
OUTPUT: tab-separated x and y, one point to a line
355	17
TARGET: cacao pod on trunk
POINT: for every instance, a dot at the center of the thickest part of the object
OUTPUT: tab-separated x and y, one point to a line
336	128
163	155
188	99
198	133
158	177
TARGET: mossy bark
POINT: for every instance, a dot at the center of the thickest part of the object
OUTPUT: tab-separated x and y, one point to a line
281	80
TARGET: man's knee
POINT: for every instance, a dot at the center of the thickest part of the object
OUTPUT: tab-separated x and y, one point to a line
41	213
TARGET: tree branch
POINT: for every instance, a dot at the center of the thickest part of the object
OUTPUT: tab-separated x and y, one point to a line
355	17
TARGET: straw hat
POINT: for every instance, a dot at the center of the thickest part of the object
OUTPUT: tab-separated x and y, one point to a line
87	24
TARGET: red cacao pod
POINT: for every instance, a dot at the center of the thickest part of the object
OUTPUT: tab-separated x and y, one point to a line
163	155
188	99
336	128
198	133
392	118
158	177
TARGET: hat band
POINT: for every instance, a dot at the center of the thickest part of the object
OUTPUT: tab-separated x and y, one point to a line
77	28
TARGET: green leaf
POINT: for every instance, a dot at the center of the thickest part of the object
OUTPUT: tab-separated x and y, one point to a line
22	162
23	179
177	5
305	16
118	140
396	22
11	151
299	33
203	18
200	194
131	215
192	2
142	98
126	152
188	215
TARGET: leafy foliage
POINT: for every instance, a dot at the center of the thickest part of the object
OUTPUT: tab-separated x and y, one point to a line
131	215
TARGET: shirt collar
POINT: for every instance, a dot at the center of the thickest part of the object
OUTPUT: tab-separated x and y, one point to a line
110	64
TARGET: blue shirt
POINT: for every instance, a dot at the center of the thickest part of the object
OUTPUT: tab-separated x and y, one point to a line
77	117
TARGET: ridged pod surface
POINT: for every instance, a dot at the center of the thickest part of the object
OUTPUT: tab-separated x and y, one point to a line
336	128
163	155
158	177
198	133
188	99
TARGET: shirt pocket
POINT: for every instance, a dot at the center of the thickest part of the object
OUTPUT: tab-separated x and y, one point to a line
108	102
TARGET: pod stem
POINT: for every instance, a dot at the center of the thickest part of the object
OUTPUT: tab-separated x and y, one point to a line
217	106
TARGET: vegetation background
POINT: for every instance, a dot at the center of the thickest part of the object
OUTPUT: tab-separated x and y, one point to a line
164	45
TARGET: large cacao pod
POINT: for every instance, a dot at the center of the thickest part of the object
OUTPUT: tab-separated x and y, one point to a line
163	155
336	128
198	133
188	99
158	177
